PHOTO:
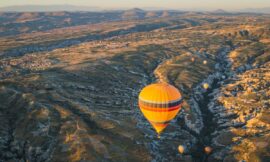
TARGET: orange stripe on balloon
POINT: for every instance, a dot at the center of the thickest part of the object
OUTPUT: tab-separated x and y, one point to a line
159	124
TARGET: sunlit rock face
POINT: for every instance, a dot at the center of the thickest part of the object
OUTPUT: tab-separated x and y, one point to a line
241	108
69	87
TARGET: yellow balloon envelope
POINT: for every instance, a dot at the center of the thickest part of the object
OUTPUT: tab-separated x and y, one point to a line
160	103
205	86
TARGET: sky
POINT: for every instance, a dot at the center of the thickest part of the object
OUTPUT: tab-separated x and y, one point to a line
171	4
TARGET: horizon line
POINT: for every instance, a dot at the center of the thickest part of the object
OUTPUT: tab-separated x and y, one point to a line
142	7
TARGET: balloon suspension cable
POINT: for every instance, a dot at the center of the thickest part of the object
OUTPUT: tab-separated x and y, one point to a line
158	136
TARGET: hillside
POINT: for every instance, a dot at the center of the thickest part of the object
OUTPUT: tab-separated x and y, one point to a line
69	84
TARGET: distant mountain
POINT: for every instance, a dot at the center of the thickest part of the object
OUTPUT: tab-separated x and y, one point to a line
151	14
165	14
257	10
47	8
134	13
136	10
219	11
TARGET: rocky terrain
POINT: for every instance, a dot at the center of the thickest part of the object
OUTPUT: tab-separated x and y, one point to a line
68	91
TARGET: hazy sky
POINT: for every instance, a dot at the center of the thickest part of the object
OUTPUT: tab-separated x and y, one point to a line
175	4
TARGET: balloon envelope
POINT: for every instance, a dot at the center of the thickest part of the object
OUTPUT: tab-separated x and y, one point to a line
205	86
207	149
181	149
204	62
160	103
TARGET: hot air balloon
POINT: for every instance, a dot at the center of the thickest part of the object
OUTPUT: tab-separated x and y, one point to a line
204	62
205	86
207	150
160	103
192	59
181	149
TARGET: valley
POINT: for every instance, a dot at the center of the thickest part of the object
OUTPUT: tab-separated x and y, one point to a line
69	92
